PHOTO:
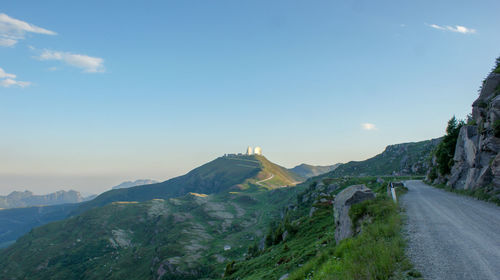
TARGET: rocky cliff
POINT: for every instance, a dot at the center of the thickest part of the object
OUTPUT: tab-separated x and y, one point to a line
477	160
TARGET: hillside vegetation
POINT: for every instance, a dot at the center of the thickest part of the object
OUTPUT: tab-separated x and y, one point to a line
221	174
188	237
302	244
399	159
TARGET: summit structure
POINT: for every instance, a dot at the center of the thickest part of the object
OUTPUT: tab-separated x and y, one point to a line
256	151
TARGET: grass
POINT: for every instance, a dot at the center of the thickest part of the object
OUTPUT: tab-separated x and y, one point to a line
376	253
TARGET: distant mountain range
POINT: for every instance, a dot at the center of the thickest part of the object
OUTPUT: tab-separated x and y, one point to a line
18	199
307	171
129	184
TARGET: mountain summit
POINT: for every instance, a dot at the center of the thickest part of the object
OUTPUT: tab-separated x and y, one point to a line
229	172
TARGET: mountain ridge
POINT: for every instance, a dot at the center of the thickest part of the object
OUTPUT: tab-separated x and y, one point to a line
17	199
308	171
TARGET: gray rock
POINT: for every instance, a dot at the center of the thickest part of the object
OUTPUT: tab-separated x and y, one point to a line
284	235
343	202
284	277
311	212
476	162
331	188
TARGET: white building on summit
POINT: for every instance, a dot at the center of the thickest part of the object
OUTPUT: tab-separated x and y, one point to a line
256	151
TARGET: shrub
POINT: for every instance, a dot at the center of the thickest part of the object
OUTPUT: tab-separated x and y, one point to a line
433	174
497	66
496	128
482	104
446	149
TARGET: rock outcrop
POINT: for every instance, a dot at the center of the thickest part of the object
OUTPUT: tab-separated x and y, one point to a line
343	202
477	160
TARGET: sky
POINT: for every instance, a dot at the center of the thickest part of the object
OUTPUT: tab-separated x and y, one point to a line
93	93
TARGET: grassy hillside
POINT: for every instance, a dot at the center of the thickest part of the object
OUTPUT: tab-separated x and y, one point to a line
221	174
400	159
308	250
307	171
176	238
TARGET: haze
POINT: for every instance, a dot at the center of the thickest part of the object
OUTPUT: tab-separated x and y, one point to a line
98	92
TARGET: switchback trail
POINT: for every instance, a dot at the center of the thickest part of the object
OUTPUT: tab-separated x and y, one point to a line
451	236
261	181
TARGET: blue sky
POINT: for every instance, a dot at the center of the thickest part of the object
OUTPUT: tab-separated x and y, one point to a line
93	93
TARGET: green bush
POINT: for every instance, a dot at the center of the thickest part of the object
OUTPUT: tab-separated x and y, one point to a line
496	128
497	66
433	174
482	104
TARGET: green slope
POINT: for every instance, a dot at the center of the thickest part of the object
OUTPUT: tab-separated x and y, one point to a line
221	174
399	159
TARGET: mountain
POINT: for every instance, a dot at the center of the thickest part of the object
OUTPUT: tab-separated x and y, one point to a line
231	172
187	237
399	159
18	199
308	171
235	172
129	184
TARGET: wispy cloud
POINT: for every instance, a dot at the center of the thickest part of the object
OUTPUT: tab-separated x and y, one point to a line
8	80
12	30
368	126
456	28
87	63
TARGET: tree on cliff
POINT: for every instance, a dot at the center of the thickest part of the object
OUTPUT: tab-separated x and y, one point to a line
446	149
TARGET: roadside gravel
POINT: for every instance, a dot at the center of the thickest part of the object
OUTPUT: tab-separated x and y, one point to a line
451	236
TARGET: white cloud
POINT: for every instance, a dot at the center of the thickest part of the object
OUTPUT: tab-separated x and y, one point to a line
11	82
12	30
456	28
87	63
4	74
368	126
8	80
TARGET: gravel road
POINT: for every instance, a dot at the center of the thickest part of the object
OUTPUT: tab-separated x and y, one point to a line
451	236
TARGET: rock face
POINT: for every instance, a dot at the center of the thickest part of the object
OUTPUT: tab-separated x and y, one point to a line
343	202
476	159
27	199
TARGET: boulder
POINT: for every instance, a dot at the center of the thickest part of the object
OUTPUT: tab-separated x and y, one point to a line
343	202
